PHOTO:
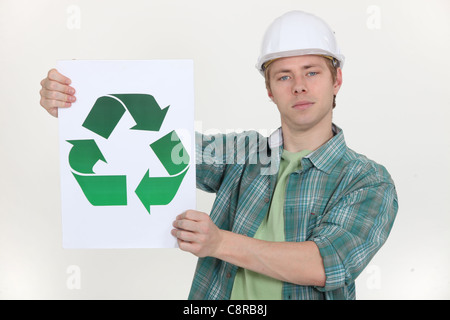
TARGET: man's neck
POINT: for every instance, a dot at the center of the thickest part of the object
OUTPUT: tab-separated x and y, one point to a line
312	139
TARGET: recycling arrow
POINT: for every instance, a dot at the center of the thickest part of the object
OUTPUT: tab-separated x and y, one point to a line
99	190
173	156
111	190
108	110
104	190
171	152
84	155
145	111
158	190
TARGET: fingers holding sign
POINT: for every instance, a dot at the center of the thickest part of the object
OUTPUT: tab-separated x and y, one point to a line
56	92
196	233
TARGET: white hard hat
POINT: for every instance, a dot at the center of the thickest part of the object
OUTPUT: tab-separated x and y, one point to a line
298	33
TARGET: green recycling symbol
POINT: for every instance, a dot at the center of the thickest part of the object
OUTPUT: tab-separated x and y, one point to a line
111	190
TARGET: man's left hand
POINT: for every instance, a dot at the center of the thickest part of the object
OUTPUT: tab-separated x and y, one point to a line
196	233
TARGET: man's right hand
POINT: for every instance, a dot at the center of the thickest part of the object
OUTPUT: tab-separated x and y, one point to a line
56	92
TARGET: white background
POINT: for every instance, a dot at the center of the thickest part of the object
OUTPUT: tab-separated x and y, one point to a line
393	107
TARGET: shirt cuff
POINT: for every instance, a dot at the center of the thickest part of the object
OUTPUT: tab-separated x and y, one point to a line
335	271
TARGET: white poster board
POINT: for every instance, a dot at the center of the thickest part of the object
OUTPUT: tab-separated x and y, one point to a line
127	156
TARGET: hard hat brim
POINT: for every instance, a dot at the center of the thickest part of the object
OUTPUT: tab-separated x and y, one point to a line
293	53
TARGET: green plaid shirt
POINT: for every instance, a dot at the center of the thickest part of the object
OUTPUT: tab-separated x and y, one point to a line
341	200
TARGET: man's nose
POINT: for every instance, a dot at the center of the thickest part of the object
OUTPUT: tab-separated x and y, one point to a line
299	86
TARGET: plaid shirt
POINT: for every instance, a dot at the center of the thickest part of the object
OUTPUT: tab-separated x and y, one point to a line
341	200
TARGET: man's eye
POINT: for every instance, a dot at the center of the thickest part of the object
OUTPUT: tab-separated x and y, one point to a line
284	78
312	74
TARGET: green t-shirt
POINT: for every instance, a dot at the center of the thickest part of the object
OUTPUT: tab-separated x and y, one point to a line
252	285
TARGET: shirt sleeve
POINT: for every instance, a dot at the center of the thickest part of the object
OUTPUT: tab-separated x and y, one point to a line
355	228
214	153
210	164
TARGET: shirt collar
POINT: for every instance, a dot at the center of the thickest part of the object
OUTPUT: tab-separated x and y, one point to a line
324	158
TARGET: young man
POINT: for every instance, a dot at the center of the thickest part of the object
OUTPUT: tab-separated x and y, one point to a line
305	230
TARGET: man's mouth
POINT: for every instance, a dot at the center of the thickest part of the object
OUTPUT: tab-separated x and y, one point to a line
303	105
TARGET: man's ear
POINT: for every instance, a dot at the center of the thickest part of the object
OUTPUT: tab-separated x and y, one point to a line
269	93
338	82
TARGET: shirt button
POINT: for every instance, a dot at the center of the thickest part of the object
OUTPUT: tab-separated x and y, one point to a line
266	200
228	275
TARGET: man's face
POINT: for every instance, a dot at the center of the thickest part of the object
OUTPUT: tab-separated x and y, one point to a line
302	87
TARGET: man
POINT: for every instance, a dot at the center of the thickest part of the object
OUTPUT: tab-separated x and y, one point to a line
305	230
